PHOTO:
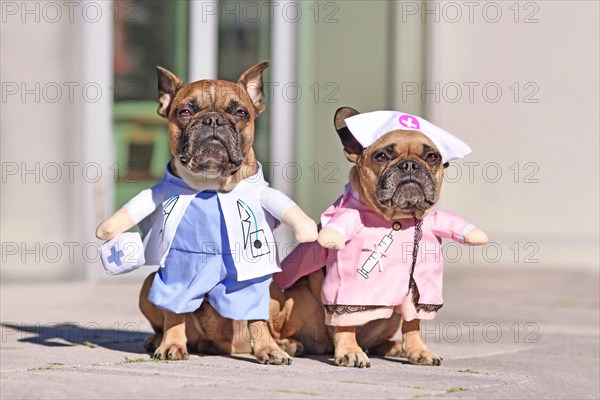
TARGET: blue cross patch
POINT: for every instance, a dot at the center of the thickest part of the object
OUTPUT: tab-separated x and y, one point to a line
115	256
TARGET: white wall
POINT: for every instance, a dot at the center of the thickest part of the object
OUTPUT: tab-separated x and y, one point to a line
36	131
558	134
56	78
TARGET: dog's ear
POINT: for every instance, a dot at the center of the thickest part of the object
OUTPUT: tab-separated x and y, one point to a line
168	85
352	148
252	80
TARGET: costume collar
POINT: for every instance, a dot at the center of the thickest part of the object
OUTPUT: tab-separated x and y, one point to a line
172	179
354	194
350	193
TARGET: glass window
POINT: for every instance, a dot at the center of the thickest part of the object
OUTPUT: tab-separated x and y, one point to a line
146	34
244	40
151	33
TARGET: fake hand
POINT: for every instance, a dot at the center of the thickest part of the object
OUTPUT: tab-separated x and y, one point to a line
303	226
307	233
331	239
113	226
476	236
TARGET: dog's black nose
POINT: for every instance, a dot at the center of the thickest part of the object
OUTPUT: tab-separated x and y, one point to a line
213	119
409	165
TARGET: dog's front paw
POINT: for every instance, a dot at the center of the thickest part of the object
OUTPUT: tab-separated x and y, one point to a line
423	357
171	351
272	354
416	351
355	358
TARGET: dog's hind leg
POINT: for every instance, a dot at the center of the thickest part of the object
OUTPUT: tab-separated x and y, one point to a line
293	347
388	348
264	347
376	336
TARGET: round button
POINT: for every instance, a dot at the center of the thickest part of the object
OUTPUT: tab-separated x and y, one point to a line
397	226
257	244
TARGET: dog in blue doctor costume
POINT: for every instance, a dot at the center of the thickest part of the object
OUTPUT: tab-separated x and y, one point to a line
208	223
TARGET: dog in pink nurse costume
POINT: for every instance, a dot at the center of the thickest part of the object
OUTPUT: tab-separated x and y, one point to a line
381	240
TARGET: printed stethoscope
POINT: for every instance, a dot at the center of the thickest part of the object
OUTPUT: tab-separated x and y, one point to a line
259	246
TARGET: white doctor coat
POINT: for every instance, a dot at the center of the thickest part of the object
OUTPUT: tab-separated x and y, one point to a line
159	210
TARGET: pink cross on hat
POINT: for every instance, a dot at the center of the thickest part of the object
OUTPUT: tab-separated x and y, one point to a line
369	127
409	122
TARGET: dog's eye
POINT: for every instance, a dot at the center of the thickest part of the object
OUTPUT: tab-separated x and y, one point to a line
185	113
432	157
381	157
241	113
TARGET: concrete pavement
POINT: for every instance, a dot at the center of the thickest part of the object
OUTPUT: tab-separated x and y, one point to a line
503	333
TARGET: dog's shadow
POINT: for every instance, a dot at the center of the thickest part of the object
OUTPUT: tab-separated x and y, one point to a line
127	338
330	360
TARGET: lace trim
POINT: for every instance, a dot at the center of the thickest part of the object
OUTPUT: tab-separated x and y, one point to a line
415	299
340	309
428	307
412	284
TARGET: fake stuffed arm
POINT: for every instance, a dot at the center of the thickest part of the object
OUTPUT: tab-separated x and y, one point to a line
129	215
284	209
341	228
446	224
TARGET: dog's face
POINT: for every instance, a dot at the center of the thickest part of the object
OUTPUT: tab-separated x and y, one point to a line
211	125
399	175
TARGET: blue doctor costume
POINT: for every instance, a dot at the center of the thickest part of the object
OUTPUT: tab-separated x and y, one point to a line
202	241
200	263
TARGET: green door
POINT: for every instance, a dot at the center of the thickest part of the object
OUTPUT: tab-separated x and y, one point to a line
147	34
151	33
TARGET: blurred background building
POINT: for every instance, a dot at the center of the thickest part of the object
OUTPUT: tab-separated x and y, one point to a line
518	81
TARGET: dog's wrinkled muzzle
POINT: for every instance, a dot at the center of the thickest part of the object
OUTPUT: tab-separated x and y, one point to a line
407	186
210	146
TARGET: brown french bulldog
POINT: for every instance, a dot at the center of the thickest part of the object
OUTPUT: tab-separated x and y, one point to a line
398	176
211	132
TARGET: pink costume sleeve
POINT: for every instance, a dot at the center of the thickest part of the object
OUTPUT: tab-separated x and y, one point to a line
446	224
309	257
347	222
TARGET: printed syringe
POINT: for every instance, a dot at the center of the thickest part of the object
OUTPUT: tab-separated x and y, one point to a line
376	255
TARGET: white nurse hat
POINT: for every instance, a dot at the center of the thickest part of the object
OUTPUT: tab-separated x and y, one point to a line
368	127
